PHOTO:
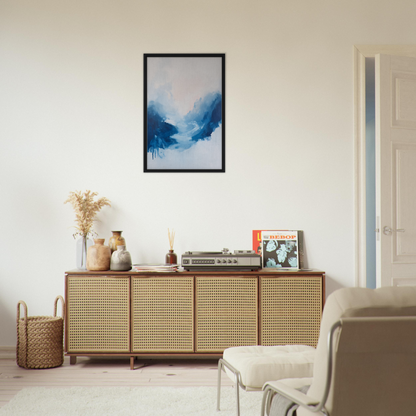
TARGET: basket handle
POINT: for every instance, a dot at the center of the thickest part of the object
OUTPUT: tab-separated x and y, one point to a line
56	306
21	302
24	340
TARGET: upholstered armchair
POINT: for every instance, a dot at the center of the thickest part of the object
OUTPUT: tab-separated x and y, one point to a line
365	362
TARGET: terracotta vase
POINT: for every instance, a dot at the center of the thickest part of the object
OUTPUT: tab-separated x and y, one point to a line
121	259
171	258
98	256
116	240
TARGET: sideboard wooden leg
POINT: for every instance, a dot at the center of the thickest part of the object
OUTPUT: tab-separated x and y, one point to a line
131	363
72	359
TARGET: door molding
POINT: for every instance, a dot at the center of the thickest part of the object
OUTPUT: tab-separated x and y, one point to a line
360	53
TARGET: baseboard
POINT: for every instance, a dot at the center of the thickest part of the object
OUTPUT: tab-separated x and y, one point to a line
7	352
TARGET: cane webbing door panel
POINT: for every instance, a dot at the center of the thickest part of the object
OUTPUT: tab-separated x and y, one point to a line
291	309
162	314
98	310
226	312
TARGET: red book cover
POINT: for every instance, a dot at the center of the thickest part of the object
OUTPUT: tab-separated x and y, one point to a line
257	240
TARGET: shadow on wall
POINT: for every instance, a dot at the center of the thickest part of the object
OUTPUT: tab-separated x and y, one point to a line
7	325
331	285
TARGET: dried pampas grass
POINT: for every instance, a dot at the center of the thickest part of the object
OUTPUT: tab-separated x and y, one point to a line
85	210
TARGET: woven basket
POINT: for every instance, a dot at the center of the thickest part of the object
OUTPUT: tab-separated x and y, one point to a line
40	338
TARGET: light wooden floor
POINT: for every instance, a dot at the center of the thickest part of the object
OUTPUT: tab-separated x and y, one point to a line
109	372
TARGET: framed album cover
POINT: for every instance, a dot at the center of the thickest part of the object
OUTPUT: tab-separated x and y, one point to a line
184	112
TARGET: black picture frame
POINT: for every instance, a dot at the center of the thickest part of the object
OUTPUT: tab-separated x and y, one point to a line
184	112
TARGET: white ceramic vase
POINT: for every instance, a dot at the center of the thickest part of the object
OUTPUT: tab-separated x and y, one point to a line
121	259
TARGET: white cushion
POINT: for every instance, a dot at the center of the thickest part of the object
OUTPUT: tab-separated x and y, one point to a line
259	364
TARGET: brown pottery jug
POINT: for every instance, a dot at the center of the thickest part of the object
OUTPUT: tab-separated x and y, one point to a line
116	240
98	256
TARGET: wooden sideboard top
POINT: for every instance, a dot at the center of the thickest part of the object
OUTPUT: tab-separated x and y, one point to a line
262	272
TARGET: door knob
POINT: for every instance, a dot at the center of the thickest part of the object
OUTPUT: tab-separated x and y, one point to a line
388	231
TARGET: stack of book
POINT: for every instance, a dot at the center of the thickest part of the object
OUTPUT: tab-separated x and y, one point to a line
155	267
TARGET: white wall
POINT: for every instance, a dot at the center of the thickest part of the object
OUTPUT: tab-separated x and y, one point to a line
71	118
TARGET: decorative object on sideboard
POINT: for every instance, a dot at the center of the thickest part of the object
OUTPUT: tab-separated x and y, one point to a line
98	256
86	210
40	338
240	260
120	259
171	257
116	240
280	248
82	246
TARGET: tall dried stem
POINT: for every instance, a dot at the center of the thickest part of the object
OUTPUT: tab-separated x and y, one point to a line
86	210
171	236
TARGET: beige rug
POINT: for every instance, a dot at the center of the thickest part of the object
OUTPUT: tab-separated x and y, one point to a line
130	401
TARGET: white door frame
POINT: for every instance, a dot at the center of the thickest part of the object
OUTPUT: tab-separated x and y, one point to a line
360	53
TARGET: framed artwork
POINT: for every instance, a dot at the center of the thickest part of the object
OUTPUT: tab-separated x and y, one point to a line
184	113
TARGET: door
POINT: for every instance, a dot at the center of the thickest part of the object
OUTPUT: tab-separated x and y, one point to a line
226	312
290	309
162	314
98	314
396	170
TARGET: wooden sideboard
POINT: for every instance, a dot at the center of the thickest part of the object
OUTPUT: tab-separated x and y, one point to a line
189	313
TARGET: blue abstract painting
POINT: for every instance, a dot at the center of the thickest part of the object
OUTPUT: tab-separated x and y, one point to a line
184	112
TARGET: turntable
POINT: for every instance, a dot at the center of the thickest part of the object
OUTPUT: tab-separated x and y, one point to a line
240	260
